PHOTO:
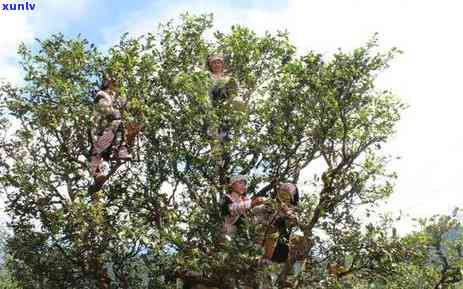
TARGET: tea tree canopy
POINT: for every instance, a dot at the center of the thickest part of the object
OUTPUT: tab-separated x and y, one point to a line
160	212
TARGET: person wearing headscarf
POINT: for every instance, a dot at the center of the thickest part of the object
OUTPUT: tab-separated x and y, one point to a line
237	205
224	88
224	97
107	122
275	219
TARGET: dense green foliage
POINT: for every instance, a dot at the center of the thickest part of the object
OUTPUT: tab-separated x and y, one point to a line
158	215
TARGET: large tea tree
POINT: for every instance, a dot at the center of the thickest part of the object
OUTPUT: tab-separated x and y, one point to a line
157	219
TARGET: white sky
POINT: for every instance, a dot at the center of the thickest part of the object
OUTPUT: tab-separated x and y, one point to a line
427	76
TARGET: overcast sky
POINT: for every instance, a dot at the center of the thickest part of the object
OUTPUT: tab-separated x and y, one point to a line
427	76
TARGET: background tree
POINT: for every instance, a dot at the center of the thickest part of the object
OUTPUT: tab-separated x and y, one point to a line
160	213
7	281
436	256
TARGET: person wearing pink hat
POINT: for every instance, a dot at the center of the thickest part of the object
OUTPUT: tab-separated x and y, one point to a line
276	218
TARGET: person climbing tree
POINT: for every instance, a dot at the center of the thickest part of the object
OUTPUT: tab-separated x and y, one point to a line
224	88
237	205
107	122
276	218
227	105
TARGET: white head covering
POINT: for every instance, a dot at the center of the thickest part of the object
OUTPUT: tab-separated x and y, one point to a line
214	57
235	179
